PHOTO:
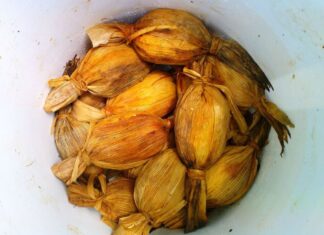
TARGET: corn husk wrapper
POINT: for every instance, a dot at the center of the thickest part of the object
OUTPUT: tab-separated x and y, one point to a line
230	178
161	36
69	134
156	95
247	93
118	142
104	71
201	123
112	200
163	179
88	108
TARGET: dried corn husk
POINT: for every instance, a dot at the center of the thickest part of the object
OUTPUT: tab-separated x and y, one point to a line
88	108
70	134
201	123
161	36
247	93
163	180
235	57
119	142
156	95
231	177
112	200
104	71
169	36
118	200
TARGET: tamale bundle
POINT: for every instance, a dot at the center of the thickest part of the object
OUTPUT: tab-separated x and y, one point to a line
231	176
104	71
156	95
158	194
113	200
117	142
247	88
201	122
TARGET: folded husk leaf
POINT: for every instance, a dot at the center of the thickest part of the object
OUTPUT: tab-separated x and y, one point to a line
70	135
156	95
104	71
201	123
106	34
163	180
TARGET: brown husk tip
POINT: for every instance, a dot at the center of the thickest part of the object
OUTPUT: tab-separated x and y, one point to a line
236	57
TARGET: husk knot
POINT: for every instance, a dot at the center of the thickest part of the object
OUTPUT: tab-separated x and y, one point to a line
196	174
214	46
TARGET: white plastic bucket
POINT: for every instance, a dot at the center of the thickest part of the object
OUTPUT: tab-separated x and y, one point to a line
286	38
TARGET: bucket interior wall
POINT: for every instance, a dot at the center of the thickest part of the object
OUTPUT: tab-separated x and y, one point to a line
286	38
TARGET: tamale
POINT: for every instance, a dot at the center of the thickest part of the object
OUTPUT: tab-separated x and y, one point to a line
156	95
201	123
159	195
119	142
230	178
104	71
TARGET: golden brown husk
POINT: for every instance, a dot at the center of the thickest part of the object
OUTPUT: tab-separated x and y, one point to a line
230	178
156	95
169	36
105	71
201	123
163	179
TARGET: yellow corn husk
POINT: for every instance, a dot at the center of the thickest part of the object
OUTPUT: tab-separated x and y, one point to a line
118	201
70	134
163	179
88	108
231	177
161	36
169	36
104	71
156	95
201	123
247	93
120	142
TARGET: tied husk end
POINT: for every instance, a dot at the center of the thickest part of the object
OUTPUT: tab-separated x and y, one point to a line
135	224
278	120
196	197
63	93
